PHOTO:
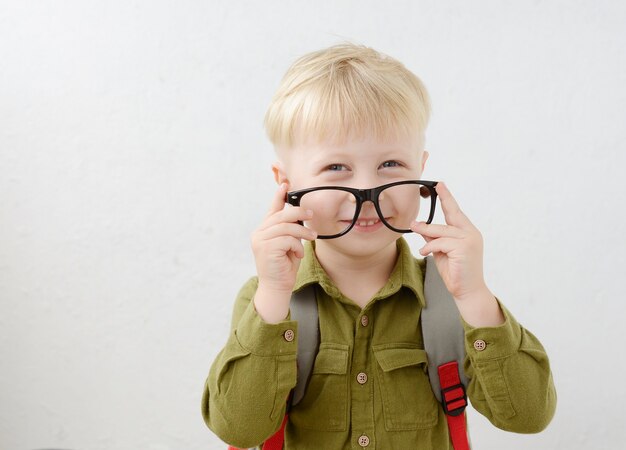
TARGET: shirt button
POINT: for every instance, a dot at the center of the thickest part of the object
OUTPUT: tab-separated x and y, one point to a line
364	441
361	378
289	335
365	320
479	345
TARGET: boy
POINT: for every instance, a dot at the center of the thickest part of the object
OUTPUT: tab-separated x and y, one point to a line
349	117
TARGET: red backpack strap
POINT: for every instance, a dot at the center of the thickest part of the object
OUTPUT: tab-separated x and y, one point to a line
454	402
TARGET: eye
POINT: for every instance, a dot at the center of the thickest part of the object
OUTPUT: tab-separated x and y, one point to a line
391	164
336	167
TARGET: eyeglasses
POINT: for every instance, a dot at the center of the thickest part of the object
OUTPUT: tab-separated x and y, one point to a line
337	209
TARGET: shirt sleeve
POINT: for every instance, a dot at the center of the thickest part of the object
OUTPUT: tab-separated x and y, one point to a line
245	394
510	379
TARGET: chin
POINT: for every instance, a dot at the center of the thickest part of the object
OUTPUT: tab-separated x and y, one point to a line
362	245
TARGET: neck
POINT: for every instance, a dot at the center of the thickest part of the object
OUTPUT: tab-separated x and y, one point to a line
371	271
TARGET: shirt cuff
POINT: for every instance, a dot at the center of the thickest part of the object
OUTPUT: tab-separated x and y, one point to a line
485	343
264	339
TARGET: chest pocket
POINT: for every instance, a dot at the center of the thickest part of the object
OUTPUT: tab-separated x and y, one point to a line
325	403
408	400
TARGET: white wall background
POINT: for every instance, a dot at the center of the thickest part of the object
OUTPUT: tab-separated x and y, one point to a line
133	167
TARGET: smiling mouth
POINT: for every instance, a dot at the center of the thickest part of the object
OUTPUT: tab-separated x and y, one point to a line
365	222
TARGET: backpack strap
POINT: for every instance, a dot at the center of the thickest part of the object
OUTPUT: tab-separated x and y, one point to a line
304	310
444	342
444	337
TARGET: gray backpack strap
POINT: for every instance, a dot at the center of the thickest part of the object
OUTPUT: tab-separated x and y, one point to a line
442	329
303	308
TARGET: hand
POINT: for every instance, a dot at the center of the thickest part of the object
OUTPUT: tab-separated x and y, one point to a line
277	245
457	248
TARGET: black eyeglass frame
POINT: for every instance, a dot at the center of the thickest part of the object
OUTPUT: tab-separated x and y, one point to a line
427	189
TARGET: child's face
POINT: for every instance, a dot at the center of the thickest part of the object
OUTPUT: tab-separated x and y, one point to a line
358	163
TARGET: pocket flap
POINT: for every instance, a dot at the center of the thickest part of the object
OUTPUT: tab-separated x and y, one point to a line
331	358
392	358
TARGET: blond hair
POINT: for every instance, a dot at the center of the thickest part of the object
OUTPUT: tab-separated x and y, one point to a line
345	90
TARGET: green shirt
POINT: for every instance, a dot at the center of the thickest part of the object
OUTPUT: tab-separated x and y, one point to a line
370	375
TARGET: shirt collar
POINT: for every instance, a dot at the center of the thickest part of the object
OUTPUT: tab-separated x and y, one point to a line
408	271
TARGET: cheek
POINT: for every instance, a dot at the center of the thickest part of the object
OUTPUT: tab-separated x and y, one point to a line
402	199
404	208
326	205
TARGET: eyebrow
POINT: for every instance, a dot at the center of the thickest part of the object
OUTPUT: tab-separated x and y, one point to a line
335	155
342	155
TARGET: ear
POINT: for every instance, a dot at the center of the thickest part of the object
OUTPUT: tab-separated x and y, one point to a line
425	155
280	175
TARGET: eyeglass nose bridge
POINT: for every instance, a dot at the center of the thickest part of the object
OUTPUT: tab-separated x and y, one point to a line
368	195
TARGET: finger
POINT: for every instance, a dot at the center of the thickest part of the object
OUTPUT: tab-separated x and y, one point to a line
297	250
436	230
278	202
295	256
451	210
442	245
287	215
289	245
287	229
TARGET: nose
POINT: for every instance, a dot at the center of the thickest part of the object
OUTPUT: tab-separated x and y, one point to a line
368	209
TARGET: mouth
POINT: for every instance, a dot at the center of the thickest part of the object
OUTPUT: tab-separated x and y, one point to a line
367	222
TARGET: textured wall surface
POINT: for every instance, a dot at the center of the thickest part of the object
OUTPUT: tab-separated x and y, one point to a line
133	167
